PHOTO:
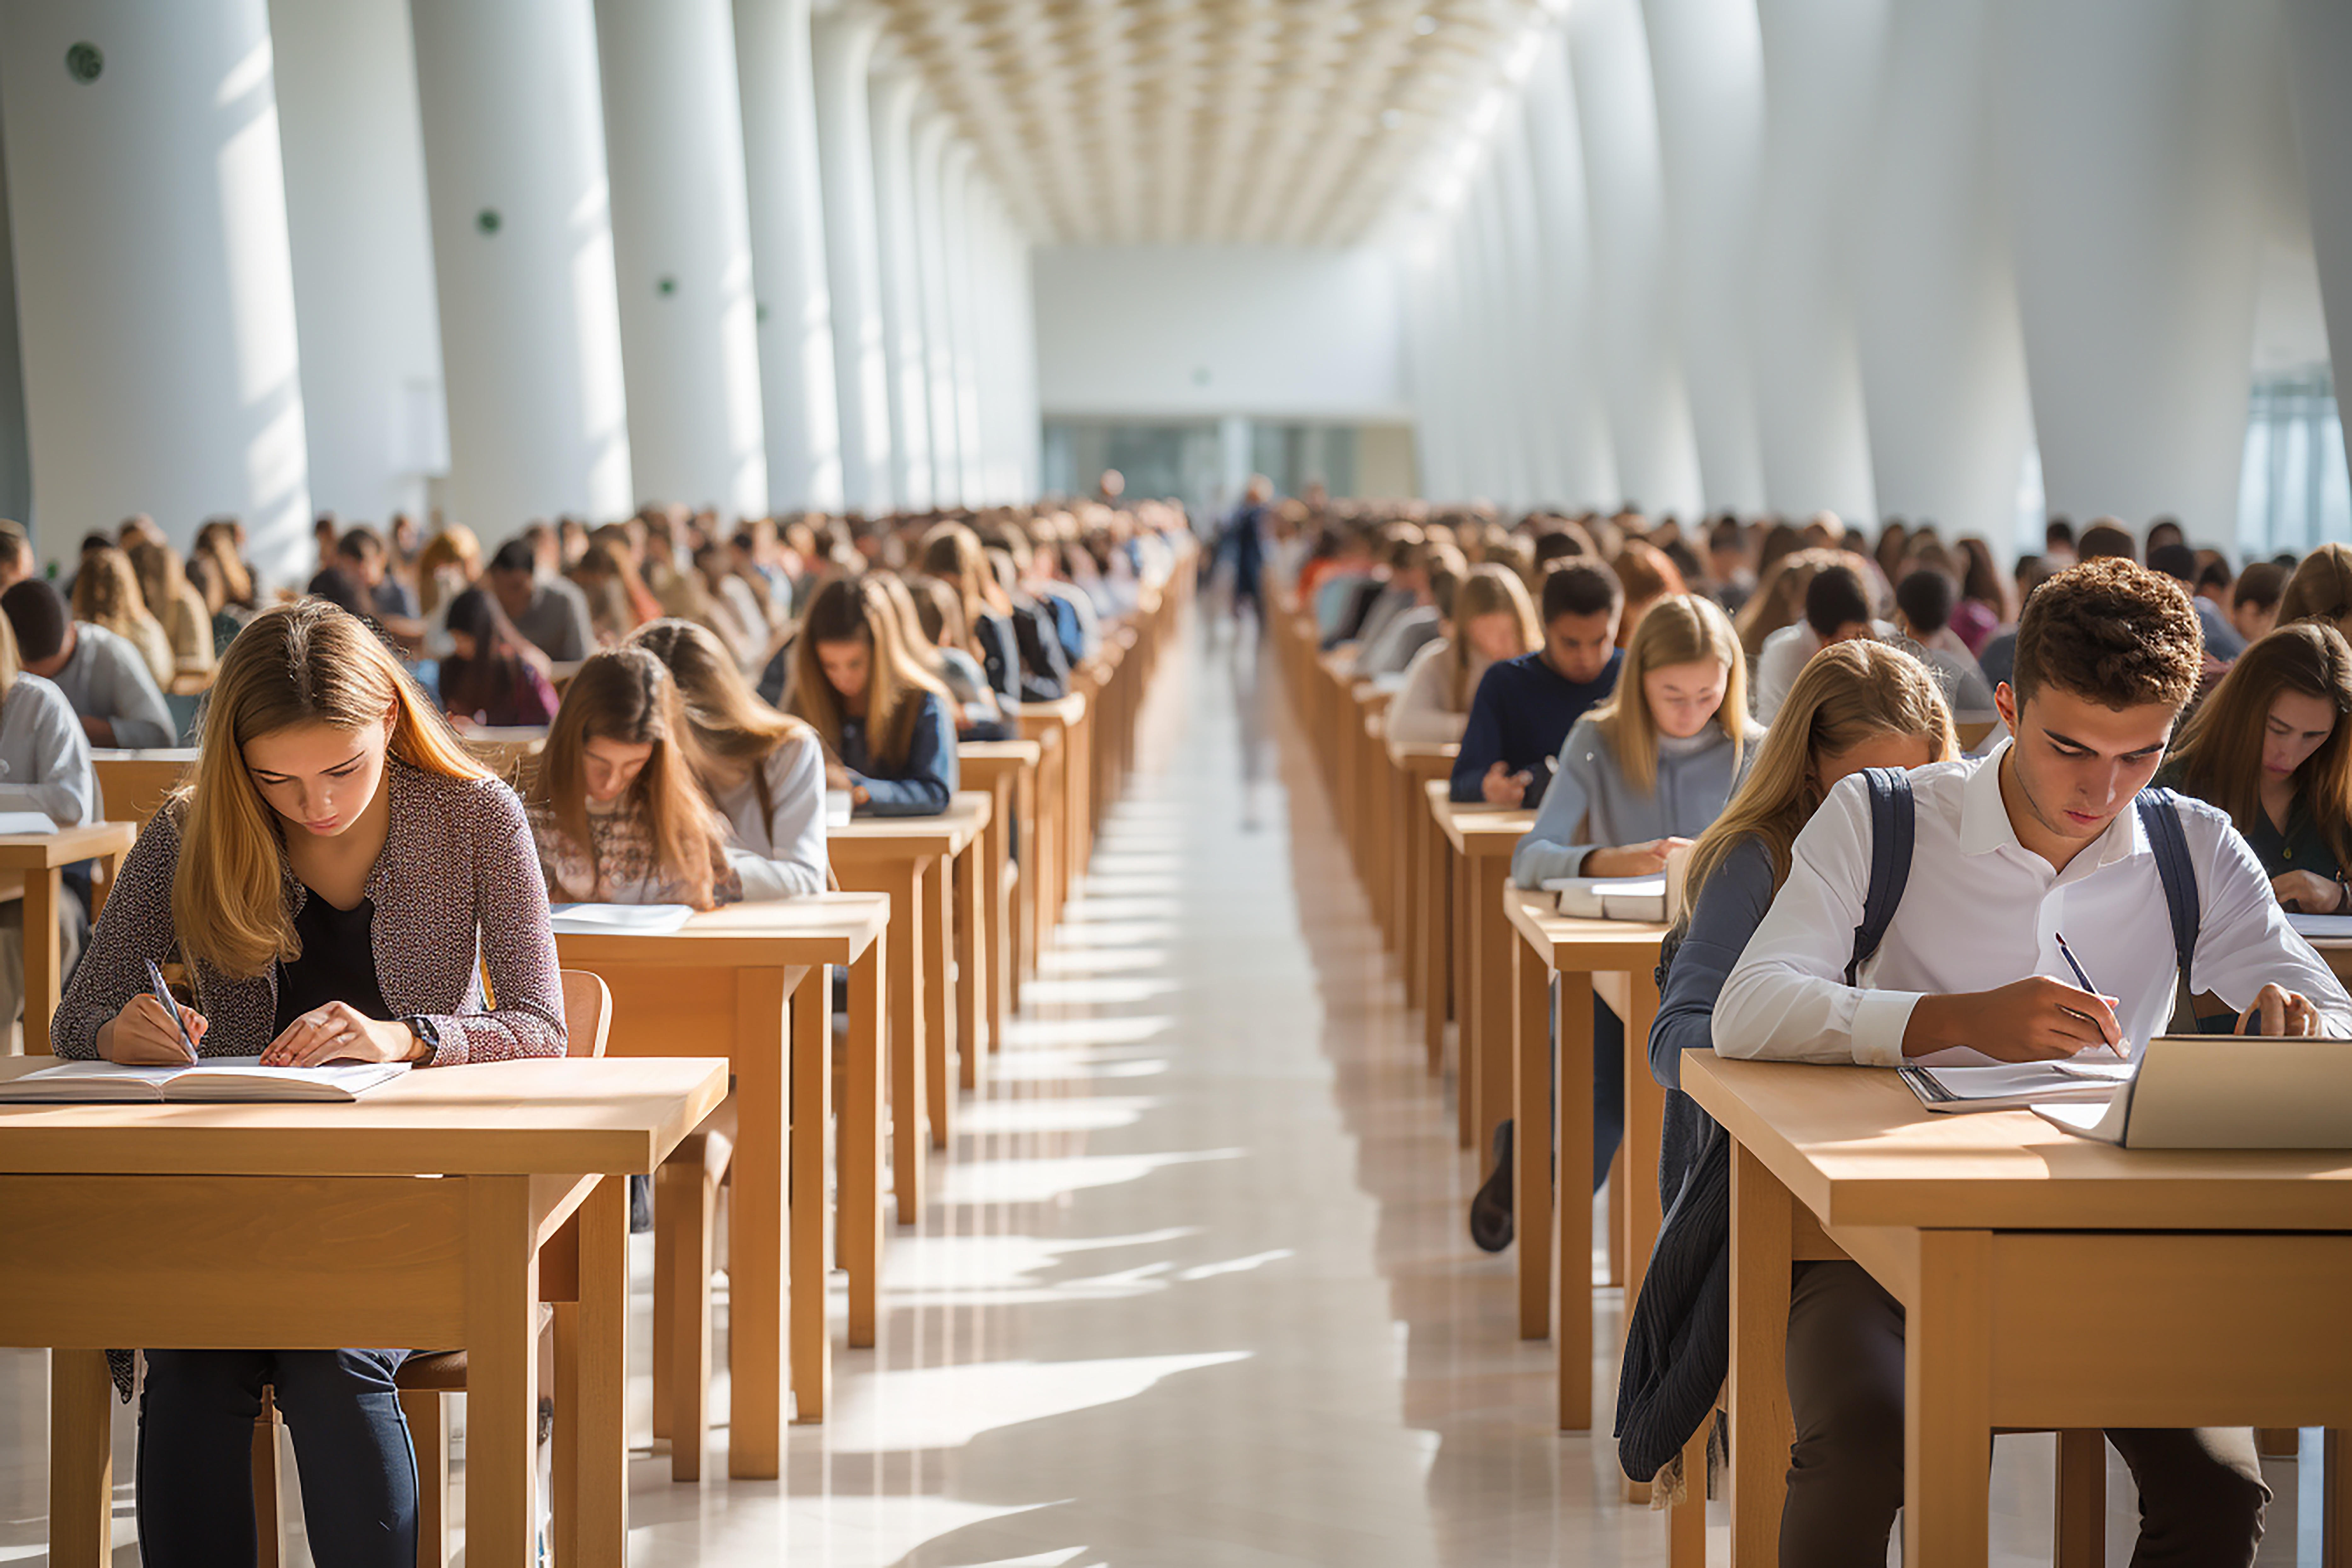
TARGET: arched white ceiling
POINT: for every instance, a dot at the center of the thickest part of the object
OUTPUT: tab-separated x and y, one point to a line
1249	121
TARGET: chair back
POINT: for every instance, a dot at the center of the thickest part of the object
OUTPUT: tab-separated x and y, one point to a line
587	1011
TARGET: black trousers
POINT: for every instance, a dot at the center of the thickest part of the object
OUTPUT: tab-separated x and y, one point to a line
2201	1495
350	1441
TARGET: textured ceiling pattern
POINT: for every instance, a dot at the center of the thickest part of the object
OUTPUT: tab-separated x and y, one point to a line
1253	122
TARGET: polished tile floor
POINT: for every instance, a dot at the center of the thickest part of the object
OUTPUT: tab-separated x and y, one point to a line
1196	1290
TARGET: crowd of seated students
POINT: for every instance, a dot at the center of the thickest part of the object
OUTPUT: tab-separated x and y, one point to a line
2190	686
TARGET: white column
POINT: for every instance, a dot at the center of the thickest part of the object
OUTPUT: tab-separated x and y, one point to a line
1021	318
964	303
1530	366
682	253
148	215
891	106
794	314
522	248
995	357
1421	285
1480	452
1649	407
1580	423
845	41
362	249
15	463
2137	166
932	134
1708	58
2320	56
1943	359
1506	480
1821	63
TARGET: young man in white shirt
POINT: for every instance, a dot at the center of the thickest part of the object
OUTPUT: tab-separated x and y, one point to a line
2039	838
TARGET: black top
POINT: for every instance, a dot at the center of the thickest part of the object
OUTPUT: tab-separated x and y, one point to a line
337	964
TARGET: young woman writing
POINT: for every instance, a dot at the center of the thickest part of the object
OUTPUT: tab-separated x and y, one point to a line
336	879
1493	619
886	724
2271	747
965	682
489	675
106	593
763	771
613	803
939	619
185	617
953	554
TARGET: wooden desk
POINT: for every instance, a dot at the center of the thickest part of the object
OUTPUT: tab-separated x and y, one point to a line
2217	1281
910	859
41	859
1419	899
1375	828
133	784
1576	951
1481	839
194	1227
720	984
1054	726
1007	771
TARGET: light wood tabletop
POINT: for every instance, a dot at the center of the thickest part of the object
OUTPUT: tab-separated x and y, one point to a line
1554	1240
1482	837
1423	919
749	981
41	858
2215	1279
911	859
297	1226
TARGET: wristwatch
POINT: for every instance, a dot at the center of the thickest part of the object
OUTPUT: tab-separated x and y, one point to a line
427	1030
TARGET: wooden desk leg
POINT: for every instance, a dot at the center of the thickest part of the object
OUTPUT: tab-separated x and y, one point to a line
1465	1006
973	954
44	963
906	995
2082	1522
1496	939
1645	1117
1409	913
1024	885
1572	1246
2332	1523
995	896
1763	1218
81	1460
597	1382
1531	1175
860	1235
756	1266
1947	1402
805	1208
1686	1520
501	1371
939	1042
1437	943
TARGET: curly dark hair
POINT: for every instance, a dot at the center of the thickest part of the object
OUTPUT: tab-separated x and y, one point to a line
2112	631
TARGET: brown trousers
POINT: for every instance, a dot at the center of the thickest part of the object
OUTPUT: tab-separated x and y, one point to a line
2201	1492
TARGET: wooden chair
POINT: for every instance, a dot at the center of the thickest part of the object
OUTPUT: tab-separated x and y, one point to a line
426	1377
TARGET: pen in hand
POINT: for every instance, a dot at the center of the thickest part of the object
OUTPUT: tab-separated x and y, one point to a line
163	994
2084	980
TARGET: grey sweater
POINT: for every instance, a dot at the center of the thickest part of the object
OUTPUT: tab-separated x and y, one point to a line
1695	779
1730	907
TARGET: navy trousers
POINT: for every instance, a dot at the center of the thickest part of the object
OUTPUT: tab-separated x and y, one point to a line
351	1442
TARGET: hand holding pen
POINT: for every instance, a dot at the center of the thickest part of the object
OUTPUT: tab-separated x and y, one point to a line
152	1029
2066	952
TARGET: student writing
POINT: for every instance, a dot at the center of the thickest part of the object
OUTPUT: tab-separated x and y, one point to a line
335	879
45	766
1492	619
2039	837
101	675
613	803
763	771
1525	707
886	723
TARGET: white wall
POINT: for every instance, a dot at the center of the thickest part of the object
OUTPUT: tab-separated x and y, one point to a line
1184	331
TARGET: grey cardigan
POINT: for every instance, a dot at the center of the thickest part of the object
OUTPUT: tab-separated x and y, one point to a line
1590	789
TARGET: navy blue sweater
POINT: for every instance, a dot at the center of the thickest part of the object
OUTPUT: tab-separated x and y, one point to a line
922	785
1522	713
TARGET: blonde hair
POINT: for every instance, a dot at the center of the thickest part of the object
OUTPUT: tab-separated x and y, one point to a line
1847	693
853	609
626	694
106	592
304	663
1489	588
953	553
730	724
455	546
1681	628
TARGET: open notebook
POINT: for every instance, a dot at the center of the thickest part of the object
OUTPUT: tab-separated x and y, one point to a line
217	1078
619	920
2016	1086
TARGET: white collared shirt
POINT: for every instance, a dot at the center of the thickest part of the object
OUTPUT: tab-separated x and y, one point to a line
1980	910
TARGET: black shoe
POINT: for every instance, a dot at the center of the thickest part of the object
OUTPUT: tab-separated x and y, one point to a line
641	1204
1490	1210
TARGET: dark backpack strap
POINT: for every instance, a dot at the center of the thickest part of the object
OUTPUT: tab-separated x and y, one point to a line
2159	819
1891	829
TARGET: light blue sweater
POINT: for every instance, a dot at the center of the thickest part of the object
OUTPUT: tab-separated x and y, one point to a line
1589	789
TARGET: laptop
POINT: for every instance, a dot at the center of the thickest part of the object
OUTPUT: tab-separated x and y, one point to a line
2223	1091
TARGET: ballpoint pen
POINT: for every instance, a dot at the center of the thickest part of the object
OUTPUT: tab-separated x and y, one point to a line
163	994
2084	981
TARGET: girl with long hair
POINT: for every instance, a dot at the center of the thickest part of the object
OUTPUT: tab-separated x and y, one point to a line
615	804
220	545
106	593
337	878
953	553
886	723
763	770
931	619
1493	619
186	618
611	583
2272	747
2320	589
488	676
